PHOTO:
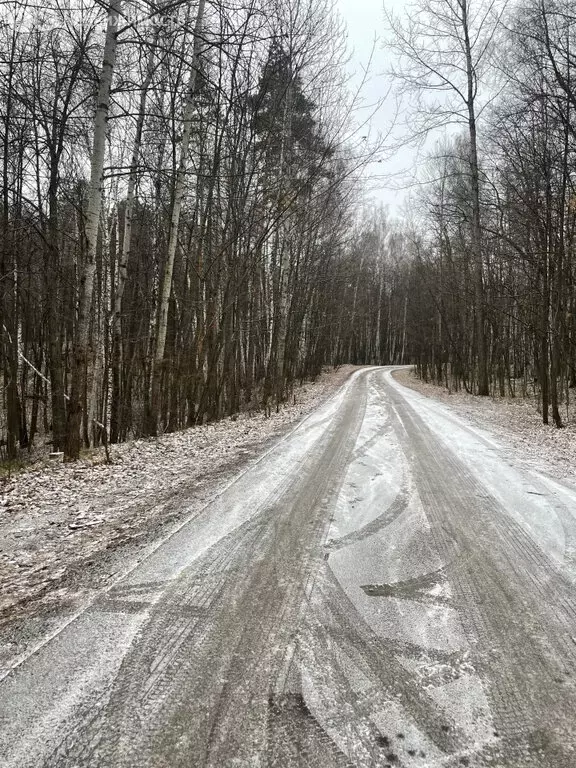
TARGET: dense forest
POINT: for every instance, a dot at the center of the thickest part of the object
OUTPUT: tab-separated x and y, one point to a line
184	226
493	305
180	229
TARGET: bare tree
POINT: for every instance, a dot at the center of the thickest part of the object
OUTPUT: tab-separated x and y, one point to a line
181	253
444	49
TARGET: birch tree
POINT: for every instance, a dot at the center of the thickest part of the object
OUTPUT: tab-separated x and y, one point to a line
91	225
180	188
117	400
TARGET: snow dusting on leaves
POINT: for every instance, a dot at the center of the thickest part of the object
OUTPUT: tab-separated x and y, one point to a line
68	529
515	421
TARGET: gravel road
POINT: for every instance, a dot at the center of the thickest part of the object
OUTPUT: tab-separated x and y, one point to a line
387	586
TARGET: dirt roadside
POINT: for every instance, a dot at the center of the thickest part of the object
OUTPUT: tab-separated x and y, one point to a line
67	531
515	421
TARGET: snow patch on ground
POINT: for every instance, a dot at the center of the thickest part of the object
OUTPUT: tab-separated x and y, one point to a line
69	529
515	421
546	508
398	552
374	478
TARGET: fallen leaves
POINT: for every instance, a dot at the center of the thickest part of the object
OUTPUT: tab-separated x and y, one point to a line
57	520
513	420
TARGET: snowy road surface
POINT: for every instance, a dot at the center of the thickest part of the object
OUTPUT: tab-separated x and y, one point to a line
385	587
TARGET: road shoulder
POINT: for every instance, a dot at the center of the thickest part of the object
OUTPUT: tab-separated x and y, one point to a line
69	531
515	422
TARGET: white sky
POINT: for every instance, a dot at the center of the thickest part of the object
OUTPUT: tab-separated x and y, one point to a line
364	20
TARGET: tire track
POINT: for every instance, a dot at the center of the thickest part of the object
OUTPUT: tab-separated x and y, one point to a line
380	657
383	520
516	606
197	686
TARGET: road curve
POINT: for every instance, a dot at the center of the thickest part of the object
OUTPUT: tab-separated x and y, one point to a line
386	587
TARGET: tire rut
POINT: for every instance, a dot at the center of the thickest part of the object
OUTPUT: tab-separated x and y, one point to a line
516	605
383	520
203	684
380	657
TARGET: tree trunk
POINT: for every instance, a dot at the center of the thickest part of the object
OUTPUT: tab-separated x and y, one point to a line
91	224
179	191
483	386
118	404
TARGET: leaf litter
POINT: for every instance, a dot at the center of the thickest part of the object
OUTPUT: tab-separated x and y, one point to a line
67	530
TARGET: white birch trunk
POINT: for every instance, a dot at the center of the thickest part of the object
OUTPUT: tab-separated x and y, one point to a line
377	342
284	265
404	330
354	303
179	190
124	258
91	219
131	191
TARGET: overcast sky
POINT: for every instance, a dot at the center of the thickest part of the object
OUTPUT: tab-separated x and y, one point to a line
364	20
